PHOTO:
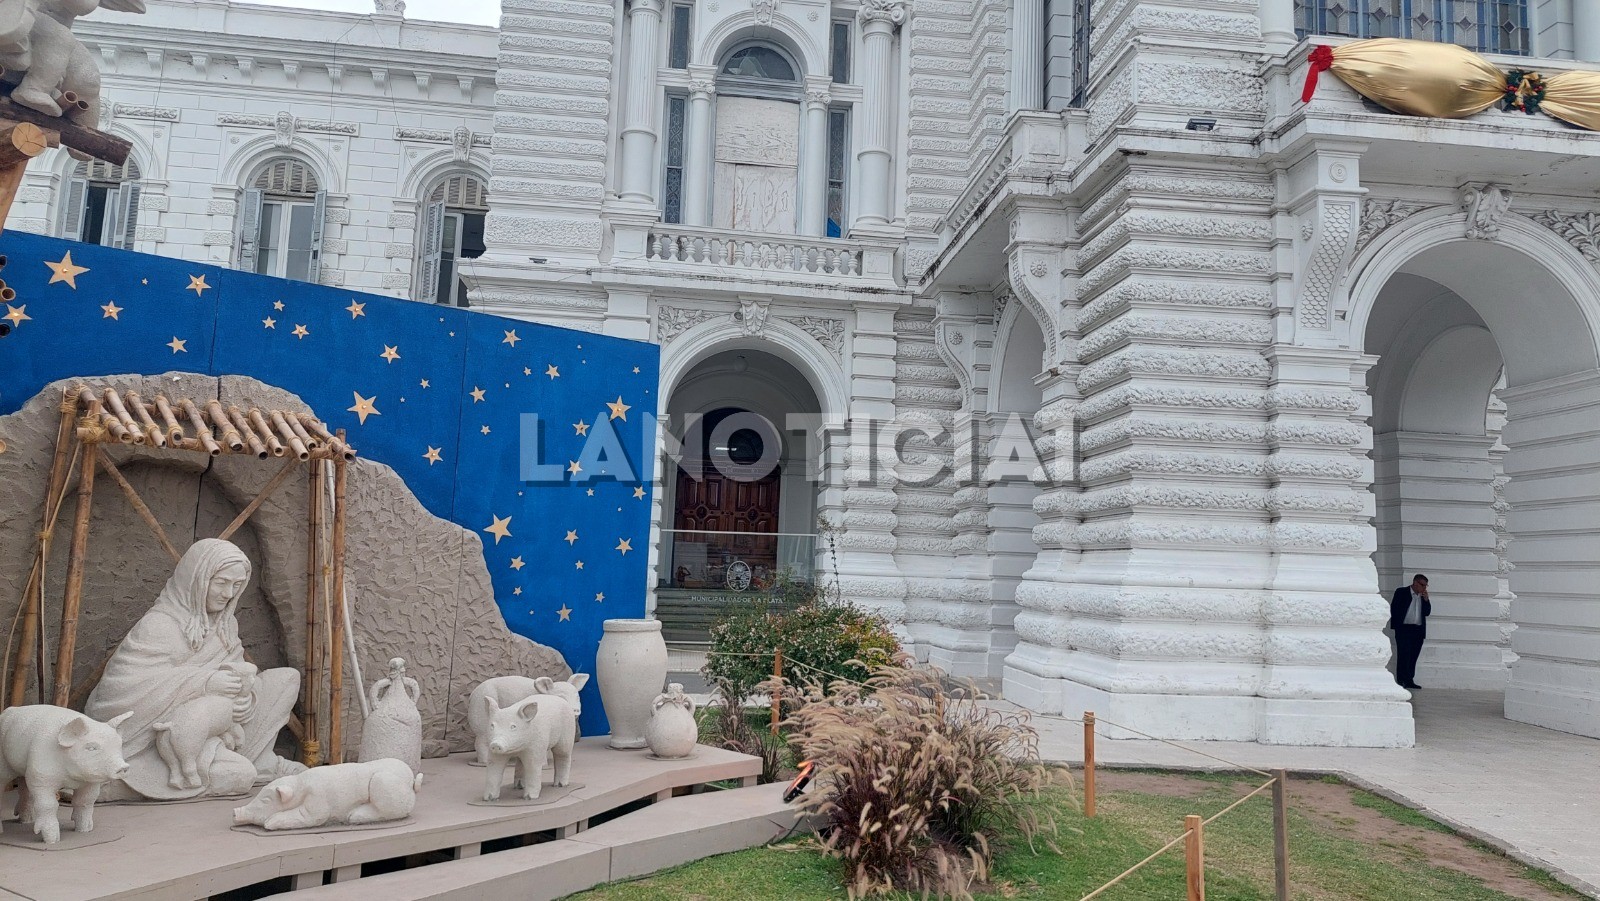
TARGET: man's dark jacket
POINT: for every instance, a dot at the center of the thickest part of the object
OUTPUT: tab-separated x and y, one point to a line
1401	602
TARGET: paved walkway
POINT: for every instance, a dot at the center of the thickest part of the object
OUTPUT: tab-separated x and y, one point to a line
1531	792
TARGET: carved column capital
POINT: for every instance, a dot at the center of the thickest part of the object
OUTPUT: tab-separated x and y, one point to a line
890	12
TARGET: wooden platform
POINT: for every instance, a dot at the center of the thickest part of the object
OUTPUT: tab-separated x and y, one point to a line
189	851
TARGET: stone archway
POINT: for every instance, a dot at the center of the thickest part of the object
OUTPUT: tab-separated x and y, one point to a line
1504	528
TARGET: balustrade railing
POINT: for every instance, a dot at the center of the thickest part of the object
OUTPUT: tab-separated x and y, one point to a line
781	253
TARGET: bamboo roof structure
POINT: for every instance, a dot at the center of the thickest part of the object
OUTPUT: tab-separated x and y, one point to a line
203	426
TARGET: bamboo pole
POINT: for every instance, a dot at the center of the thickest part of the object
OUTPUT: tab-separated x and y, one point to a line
73	600
1088	764
202	430
777	677
1280	833
251	439
170	420
336	600
259	423
138	504
311	751
1194	856
258	500
335	444
119	422
299	431
296	446
33	595
153	435
230	434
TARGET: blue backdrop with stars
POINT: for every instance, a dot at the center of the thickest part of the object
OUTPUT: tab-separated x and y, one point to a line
438	393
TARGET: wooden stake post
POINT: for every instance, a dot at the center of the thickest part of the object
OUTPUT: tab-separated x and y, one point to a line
1194	856
1280	833
777	675
1088	763
91	418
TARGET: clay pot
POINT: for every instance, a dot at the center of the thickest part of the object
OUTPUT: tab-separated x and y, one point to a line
394	727
672	732
631	666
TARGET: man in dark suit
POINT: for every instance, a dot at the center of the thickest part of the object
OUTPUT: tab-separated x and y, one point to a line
1408	616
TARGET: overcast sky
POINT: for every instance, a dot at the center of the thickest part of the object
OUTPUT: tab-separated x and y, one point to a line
478	12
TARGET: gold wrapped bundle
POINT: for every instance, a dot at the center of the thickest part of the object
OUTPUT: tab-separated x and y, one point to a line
1574	97
1418	78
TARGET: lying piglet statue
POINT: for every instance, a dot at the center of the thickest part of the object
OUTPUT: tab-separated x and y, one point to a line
53	748
524	734
508	690
342	794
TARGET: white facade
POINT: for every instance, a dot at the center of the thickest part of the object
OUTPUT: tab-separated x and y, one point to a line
1281	356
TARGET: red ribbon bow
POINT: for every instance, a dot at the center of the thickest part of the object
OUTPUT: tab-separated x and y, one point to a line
1321	61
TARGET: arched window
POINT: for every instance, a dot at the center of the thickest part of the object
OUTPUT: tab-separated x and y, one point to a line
452	230
280	225
759	61
101	204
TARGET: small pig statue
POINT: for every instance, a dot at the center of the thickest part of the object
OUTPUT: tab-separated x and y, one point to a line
53	748
523	734
508	690
181	740
341	794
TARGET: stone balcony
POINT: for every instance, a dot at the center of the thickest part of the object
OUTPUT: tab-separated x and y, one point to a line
695	250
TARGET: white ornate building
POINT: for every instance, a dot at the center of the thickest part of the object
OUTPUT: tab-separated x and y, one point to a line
1278	355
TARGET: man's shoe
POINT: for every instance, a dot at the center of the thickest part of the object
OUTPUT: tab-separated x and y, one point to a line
1412	686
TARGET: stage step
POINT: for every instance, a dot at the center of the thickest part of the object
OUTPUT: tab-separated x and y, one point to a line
664	834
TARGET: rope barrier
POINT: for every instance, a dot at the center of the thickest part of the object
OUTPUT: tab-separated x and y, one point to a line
1129	871
1233	763
1269	783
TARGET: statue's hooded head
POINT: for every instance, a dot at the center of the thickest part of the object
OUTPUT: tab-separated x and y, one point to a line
205	588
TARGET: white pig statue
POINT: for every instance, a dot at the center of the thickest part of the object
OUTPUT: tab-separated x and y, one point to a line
182	739
53	748
523	734
342	794
508	690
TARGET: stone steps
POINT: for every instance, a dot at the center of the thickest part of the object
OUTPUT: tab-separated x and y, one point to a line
665	834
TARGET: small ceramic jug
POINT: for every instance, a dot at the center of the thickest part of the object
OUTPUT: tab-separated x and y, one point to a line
394	727
672	732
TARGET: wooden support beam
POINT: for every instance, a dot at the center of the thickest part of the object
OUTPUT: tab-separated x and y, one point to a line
33	595
138	505
73	601
336	599
97	144
310	750
21	141
255	504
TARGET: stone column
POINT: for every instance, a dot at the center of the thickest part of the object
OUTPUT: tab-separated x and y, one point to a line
1586	32
875	170
814	161
699	154
1026	84
1277	23
639	109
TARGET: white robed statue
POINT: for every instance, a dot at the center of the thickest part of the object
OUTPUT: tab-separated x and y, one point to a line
180	651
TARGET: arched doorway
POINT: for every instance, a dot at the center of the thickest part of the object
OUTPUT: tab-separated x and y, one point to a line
1486	451
739	497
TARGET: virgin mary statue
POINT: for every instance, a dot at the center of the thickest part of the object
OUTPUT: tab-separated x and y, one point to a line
182	650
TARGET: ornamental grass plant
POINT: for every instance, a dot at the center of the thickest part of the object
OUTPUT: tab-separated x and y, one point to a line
917	781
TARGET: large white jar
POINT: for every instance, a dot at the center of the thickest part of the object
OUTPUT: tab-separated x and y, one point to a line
394	727
632	667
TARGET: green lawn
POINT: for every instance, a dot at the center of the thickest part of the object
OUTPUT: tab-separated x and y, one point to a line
1344	844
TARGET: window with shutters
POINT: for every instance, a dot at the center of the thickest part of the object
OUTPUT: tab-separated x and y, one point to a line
281	223
452	231
1486	26
101	204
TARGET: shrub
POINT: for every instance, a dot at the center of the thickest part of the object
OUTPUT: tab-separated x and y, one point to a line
821	641
731	727
916	785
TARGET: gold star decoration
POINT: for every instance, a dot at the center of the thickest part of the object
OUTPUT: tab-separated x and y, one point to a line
110	310
565	613
573	467
619	410
477	394
424	383
277	305
484	430
269	322
500	528
301	331
624	545
552	371
432	456
639	492
580	564
510	338
591	492
581	427
517	590
65	271
599	596
364	406
516	563
356	309
17	315
197	284
635	370
527	371
572	536
390	353
178	345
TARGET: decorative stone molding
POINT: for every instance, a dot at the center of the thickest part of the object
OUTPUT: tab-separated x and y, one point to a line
1581	230
891	11
439	136
1377	215
1486	207
764	10
828	332
672	322
1325	248
158	113
285	126
752	316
